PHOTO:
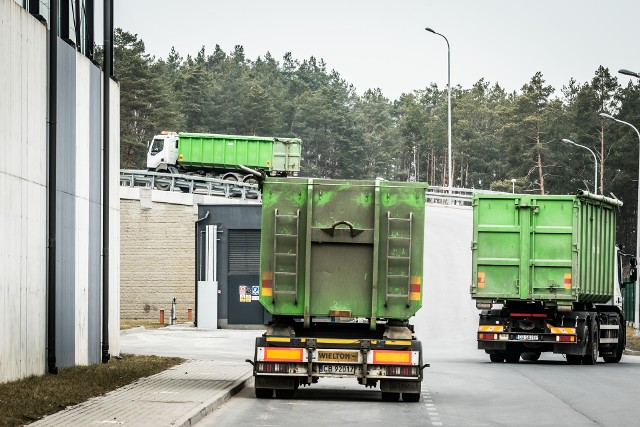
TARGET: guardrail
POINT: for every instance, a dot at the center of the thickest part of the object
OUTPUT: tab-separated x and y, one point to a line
456	197
189	184
226	188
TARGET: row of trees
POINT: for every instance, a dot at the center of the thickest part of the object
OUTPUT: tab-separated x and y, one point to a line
498	136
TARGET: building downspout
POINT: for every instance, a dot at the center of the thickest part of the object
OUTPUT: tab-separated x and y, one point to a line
106	79
195	262
51	195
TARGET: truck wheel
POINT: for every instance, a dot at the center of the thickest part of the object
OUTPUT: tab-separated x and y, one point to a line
512	357
531	356
496	357
284	393
619	348
411	397
389	396
264	393
591	352
574	359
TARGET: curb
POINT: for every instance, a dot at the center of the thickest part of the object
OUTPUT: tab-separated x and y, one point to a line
132	330
214	403
631	352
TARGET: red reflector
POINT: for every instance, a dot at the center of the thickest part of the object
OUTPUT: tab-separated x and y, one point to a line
527	315
487	336
566	338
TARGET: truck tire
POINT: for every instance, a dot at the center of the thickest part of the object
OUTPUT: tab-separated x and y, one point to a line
619	348
389	396
531	356
574	359
496	357
411	397
284	393
591	351
512	357
264	393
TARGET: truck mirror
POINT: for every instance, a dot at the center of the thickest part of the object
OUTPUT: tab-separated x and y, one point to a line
633	274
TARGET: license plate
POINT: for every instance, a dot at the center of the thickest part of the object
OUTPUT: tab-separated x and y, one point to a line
337	369
527	337
337	356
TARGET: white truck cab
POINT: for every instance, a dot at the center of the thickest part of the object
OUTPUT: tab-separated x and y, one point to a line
162	152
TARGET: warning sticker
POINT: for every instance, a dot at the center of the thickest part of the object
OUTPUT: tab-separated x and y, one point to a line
242	289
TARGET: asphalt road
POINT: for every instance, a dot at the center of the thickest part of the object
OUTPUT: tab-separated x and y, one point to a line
461	388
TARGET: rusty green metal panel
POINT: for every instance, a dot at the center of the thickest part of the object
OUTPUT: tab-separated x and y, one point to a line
342	246
198	150
551	248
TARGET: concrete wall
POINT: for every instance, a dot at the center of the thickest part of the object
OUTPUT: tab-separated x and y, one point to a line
23	219
157	251
23	180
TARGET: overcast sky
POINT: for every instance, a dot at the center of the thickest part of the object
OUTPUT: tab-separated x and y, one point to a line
377	43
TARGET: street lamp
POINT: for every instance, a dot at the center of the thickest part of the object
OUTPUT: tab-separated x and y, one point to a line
595	159
449	98
513	186
636	317
629	73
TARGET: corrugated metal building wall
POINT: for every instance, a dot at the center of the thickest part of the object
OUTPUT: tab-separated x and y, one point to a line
23	213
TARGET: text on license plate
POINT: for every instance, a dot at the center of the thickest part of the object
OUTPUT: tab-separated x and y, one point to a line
337	369
527	337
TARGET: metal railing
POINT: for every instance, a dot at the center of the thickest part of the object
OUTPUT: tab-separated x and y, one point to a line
189	184
457	196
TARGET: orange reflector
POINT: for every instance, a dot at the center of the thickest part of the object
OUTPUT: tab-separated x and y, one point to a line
387	357
481	279
277	354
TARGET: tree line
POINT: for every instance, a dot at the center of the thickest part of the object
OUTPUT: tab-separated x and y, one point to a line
497	136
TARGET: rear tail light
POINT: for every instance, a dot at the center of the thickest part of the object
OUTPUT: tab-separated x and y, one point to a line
281	368
566	338
402	371
487	336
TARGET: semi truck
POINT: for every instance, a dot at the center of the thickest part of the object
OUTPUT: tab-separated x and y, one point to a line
220	156
341	273
547	276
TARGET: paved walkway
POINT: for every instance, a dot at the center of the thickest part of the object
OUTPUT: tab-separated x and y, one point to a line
179	396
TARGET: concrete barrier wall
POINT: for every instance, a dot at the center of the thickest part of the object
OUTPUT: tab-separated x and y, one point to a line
157	252
23	180
23	213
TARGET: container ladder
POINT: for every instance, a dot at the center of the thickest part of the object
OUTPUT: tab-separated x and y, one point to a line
398	260
282	240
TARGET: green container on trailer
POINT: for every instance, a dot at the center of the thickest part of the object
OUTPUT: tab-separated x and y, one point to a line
199	150
558	249
342	248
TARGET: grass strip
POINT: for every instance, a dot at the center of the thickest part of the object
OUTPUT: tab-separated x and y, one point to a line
32	398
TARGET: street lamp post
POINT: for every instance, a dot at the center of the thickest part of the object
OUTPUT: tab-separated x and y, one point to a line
636	317
449	102
595	160
629	73
513	186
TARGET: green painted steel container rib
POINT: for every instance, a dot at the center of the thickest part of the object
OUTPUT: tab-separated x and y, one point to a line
340	247
551	248
199	150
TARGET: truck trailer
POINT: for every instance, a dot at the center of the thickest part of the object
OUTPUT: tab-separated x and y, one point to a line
220	156
547	275
341	266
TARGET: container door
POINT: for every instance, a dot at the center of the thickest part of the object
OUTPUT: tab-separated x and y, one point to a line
279	156
342	249
553	248
497	247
